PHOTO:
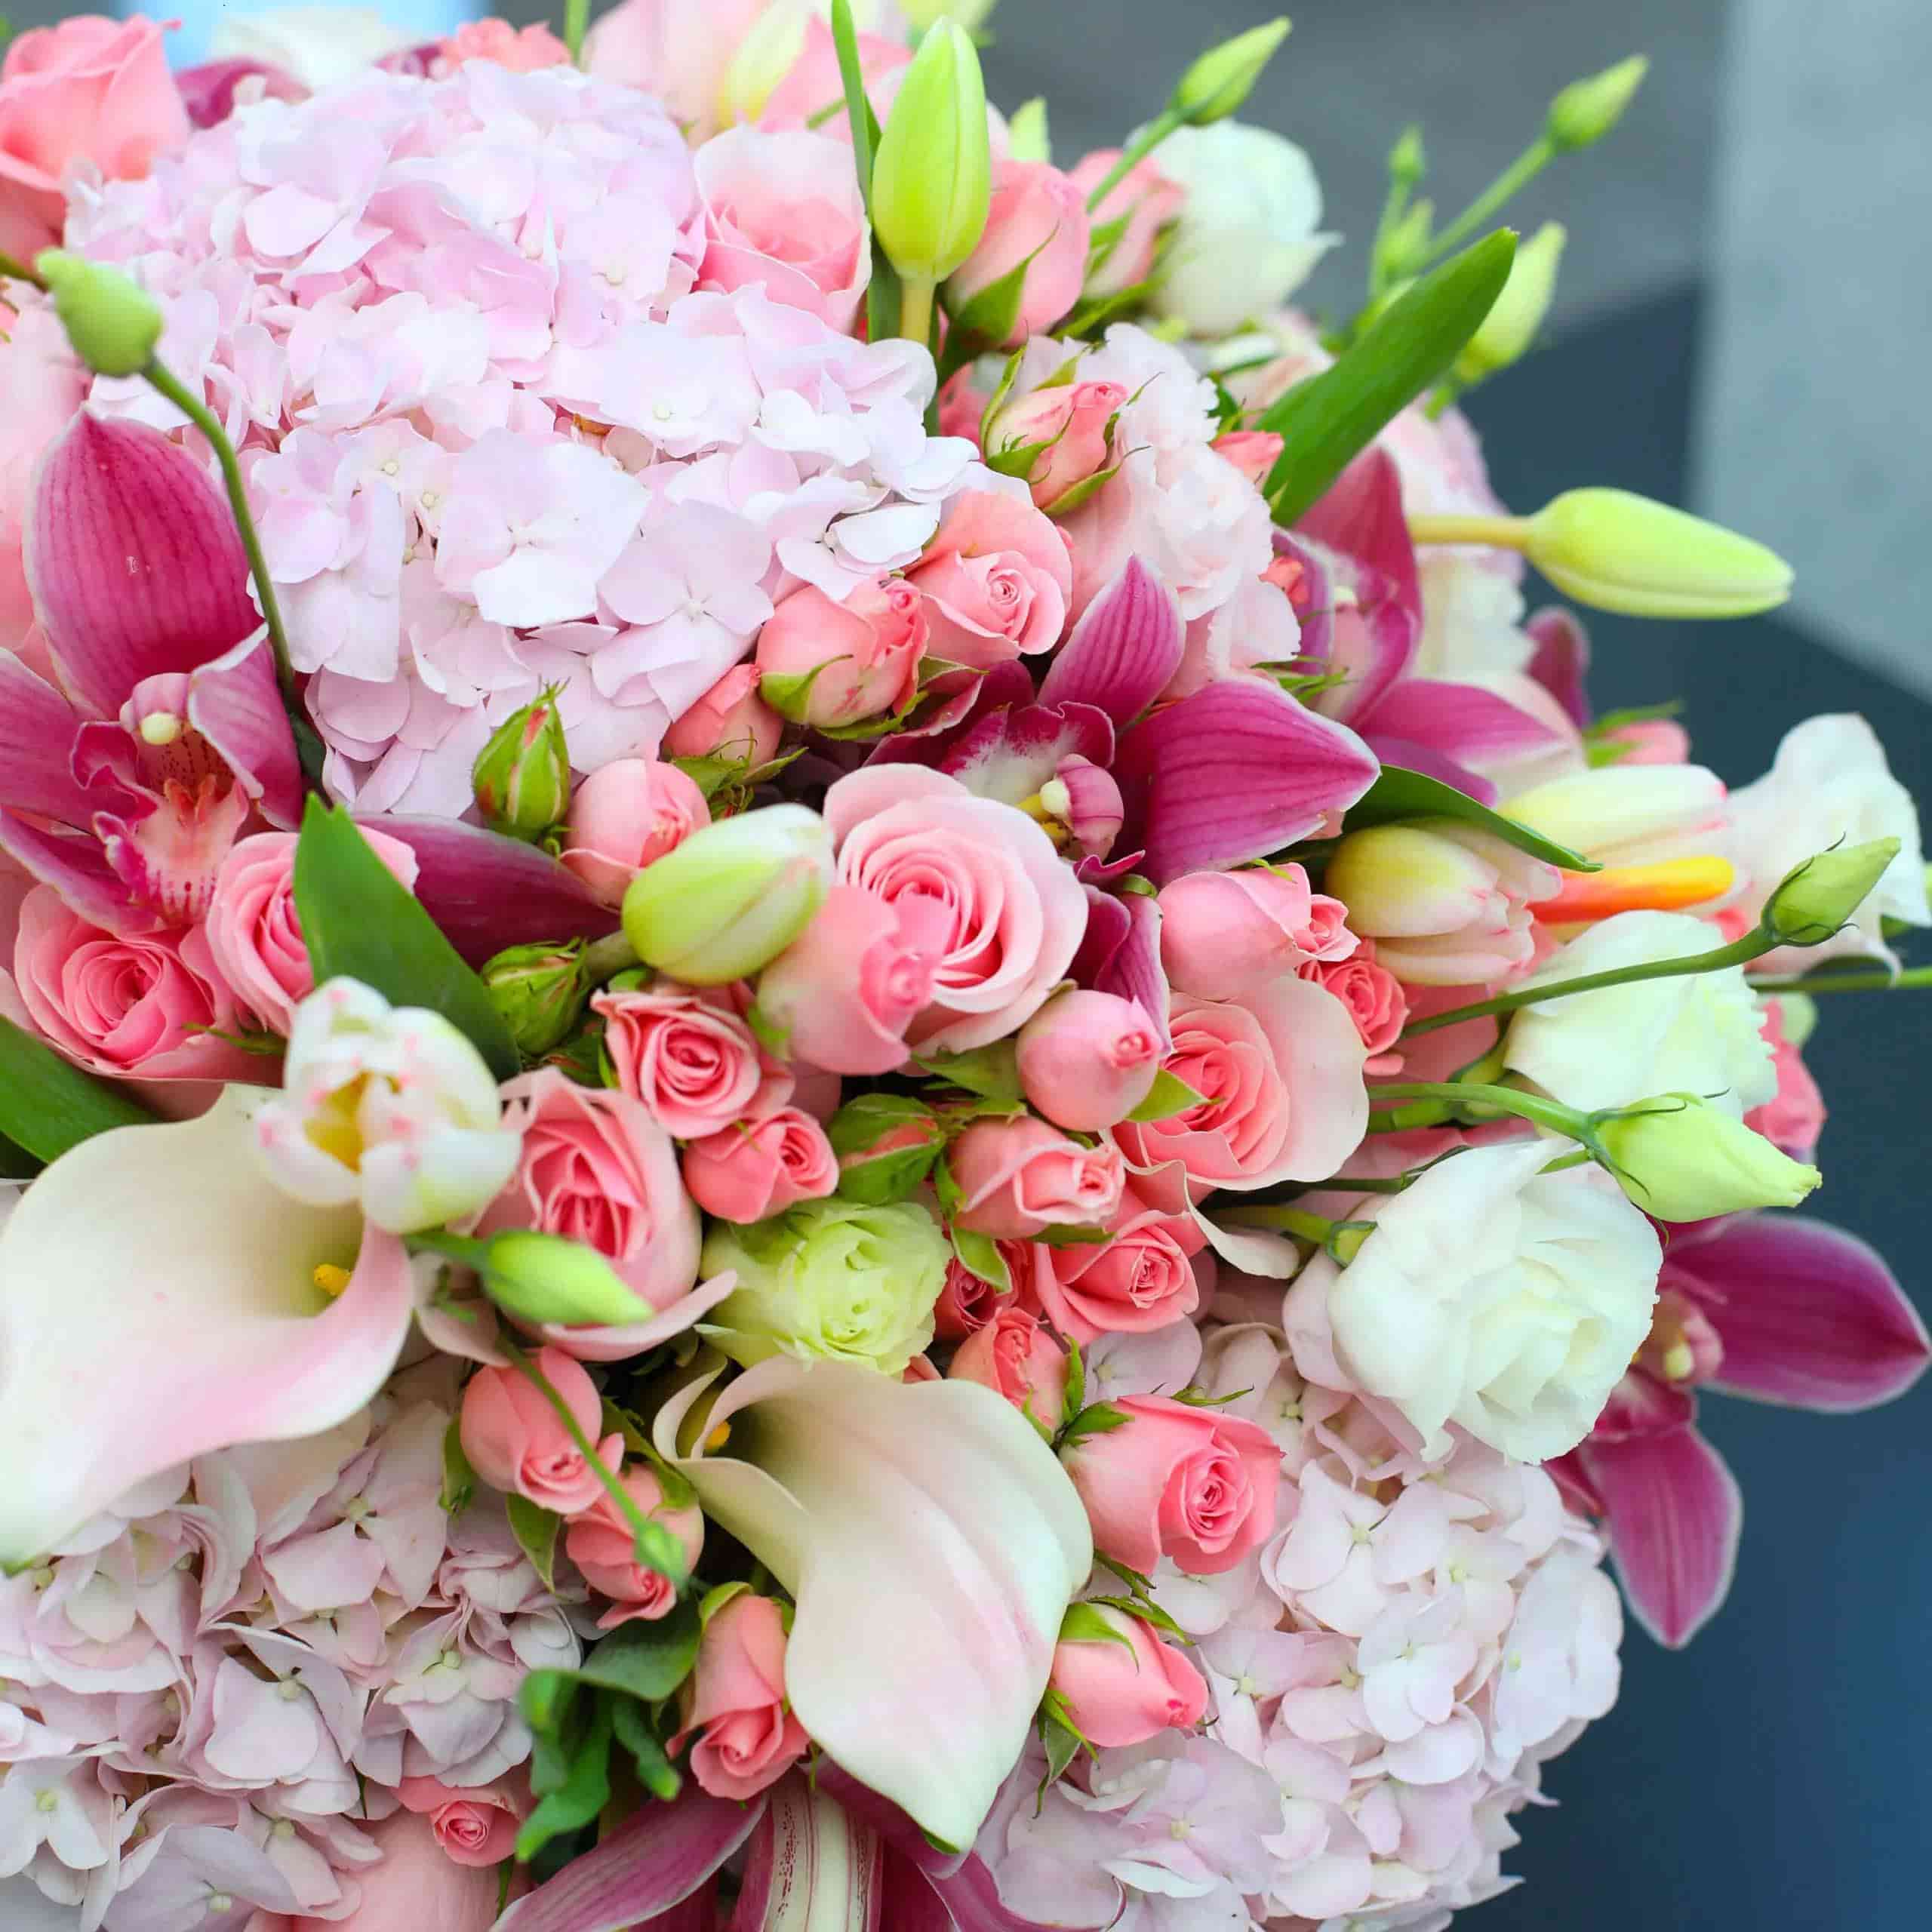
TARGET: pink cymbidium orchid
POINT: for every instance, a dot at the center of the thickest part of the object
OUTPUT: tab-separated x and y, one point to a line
124	786
1773	1307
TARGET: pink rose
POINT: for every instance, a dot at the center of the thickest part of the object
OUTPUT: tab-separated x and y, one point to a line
1254	452
731	721
1223	934
813	84
1008	913
785	210
626	816
1195	1485
415	1887
148	1005
845	990
688	1057
41	388
475	1825
1019	1361
253	929
1087	1060
998	581
1373	995
1280	1073
1073	423
961	407
1147	198
968	1301
734	1701
601	1544
754	1169
1127	1686
1794	1117
86	90
517	1443
596	1166
1146	1275
1020	1177
670	48
865	652
500	43
1036	224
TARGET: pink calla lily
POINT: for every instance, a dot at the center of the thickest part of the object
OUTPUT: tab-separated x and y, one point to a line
159	1300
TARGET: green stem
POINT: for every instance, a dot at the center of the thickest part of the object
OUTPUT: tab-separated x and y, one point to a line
605	959
1753	946
576	21
1519	173
1878	981
1136	152
19	272
915	307
1552	1114
1296	1221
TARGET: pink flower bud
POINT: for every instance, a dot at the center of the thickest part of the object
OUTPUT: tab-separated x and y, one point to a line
1148	198
1071	423
1087	1060
731	721
756	1168
1036	219
734	1702
1018	1359
1254	452
1651	741
516	1442
624	816
1373	995
1226	934
1123	1685
961	407
600	1541
474	1824
1085	798
825	664
1020	1177
966	1302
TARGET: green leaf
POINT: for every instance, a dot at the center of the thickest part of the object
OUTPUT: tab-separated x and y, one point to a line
864	1120
1083	1624
1076	1398
1398	794
16	1163
48	1105
584	1792
1169	1095
858	108
459	1478
1326	422
992	1071
1065	1234
536	1529
655	1770
1063	1744
648	1660
991	316
980	1255
889	1178
1096	1419
359	920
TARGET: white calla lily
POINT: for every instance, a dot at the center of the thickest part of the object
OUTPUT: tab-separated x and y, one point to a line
160	1298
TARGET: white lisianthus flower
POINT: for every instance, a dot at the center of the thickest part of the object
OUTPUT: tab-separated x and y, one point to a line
317	45
1829	784
1250	232
1490	1295
1699	1033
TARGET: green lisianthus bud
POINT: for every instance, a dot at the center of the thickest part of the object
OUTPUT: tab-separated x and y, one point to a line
1220	80
1619	552
538	991
545	1277
1587	110
111	321
932	179
1816	902
1511	326
1026	135
1680	1159
522	775
732	898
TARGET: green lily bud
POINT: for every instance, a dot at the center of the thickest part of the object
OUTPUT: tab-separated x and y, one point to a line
538	991
545	1277
732	898
1816	902
522	775
932	180
1619	552
1026	137
1587	110
1509	327
111	321
1223	77
1680	1159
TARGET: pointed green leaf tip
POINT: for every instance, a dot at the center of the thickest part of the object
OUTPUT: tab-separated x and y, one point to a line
932	181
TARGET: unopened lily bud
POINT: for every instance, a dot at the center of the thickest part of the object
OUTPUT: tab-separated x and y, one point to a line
545	1277
768	52
732	898
932	182
1816	902
1619	552
522	775
1587	110
111	321
538	991
1511	326
1680	1160
1223	77
1026	135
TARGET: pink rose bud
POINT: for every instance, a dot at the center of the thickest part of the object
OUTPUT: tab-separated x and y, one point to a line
1069	427
1121	1684
734	1703
1020	1177
1195	1485
1651	741
756	1168
967	1302
1254	452
601	1544
475	1825
1149	1273
998	579
1036	226
1084	797
730	722
1087	1060
624	816
1373	995
688	1057
961	407
1148	199
1226	934
1018	1359
825	664
517	1443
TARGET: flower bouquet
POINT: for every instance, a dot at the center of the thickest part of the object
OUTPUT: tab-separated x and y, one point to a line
843	1094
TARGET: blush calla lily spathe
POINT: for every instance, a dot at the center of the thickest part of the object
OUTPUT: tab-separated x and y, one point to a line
159	1300
931	1544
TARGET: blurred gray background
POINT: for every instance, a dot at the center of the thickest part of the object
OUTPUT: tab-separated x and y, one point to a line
1744	303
